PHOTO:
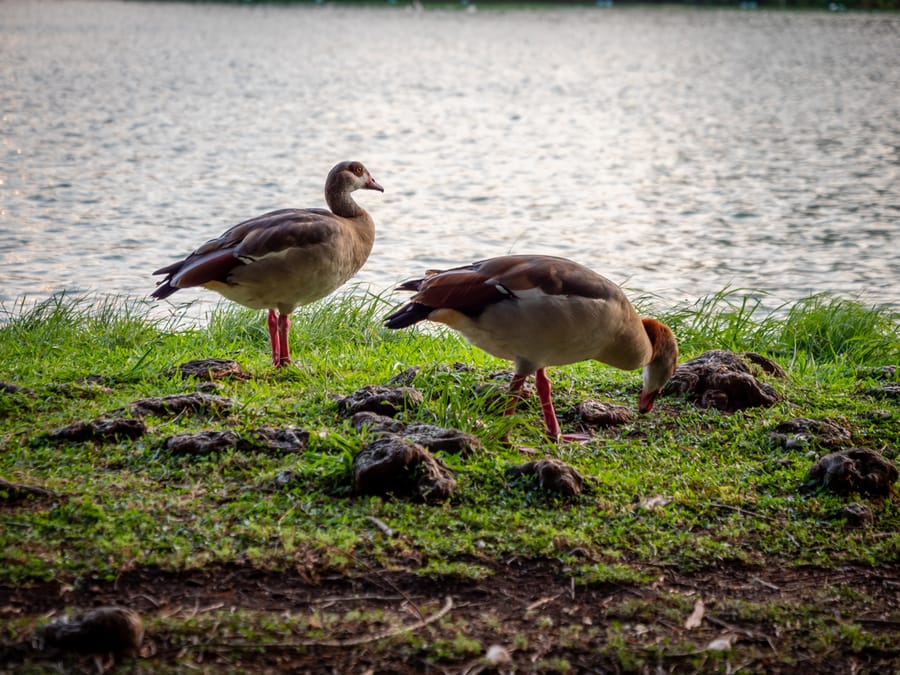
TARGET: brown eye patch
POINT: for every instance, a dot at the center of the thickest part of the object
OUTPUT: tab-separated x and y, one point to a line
357	169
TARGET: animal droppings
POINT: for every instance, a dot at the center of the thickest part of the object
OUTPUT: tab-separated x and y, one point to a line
170	406
211	369
723	380
380	400
854	470
430	436
202	442
856	515
554	475
886	373
885	391
15	390
105	630
393	465
278	439
594	413
800	431
101	430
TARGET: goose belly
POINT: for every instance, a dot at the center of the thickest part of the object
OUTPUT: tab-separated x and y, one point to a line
284	282
555	330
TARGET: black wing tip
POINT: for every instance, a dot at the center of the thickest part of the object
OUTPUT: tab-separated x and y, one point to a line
407	315
164	290
411	285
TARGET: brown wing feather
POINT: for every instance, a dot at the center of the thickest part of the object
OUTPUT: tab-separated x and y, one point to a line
472	288
299	229
196	270
234	235
214	266
553	275
464	289
252	239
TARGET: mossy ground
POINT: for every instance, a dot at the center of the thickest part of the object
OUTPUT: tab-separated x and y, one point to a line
223	559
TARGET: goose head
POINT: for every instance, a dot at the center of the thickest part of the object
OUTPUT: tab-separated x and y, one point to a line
661	366
349	176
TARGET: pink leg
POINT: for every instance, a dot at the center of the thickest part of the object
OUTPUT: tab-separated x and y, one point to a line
273	338
515	386
544	389
284	329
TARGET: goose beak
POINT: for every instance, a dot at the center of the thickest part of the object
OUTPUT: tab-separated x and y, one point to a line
372	184
646	399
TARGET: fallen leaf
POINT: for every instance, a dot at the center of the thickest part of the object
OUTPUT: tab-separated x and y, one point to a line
696	617
497	656
722	643
655	502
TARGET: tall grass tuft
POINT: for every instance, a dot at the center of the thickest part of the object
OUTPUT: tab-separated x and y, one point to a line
346	317
815	330
826	329
72	334
724	320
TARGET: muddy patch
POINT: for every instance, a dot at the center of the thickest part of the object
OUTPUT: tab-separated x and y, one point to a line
879	415
376	424
762	364
445	439
530	607
726	381
395	466
277	439
380	400
495	387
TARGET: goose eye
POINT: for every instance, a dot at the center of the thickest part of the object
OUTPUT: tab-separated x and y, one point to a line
357	169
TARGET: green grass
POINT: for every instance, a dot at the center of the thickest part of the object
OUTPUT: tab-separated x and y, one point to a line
130	503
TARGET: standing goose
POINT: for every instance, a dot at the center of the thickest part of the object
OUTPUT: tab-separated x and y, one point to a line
285	258
540	311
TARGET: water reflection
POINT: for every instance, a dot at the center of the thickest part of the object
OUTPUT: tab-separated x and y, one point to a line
679	151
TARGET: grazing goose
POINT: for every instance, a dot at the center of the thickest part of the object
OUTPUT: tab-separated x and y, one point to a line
286	258
540	311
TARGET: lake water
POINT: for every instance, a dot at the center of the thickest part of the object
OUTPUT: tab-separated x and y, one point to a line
676	151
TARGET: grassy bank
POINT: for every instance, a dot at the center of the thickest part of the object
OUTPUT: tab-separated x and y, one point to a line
683	489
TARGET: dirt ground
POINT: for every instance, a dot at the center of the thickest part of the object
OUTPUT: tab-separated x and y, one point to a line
779	619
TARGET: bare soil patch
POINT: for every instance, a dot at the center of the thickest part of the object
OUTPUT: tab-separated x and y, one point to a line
776	618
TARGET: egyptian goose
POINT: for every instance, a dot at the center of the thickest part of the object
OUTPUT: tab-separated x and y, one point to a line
540	311
286	258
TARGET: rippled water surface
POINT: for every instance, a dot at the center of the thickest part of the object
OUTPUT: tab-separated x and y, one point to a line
676	151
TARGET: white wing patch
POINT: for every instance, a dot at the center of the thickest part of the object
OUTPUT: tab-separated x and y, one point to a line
535	297
500	287
272	255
